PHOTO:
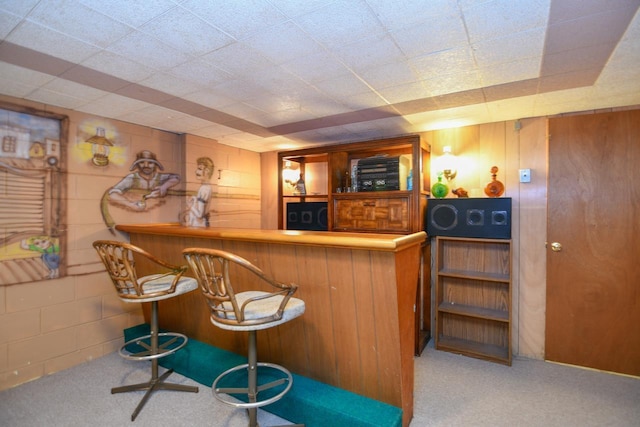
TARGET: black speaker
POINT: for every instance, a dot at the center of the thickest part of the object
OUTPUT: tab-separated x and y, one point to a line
469	217
307	216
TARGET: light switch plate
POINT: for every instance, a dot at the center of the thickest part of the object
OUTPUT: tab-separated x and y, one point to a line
525	175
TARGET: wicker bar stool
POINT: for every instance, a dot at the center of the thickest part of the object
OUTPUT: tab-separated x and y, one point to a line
119	262
246	311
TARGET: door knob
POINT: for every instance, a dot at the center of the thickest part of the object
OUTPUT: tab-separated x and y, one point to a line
556	247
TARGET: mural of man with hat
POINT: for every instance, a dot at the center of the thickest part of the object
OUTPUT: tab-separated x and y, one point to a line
145	179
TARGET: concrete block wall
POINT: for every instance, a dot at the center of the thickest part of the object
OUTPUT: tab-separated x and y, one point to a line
50	325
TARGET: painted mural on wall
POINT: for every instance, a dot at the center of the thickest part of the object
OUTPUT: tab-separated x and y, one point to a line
197	213
31	196
142	189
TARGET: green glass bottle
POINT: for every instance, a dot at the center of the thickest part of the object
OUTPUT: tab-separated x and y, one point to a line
439	189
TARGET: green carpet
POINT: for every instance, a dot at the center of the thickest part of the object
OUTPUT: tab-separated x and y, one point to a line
310	402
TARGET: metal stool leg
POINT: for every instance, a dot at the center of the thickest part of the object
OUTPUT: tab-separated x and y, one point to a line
156	382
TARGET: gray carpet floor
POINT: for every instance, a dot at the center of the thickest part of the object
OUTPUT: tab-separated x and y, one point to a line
450	390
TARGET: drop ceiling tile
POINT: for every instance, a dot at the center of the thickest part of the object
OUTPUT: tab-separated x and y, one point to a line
315	67
73	19
279	81
24	75
516	89
216	116
510	72
18	7
118	66
8	22
389	75
369	52
453	83
283	116
209	98
144	93
283	43
148	51
183	106
573	60
239	90
416	106
170	84
500	18
443	33
114	106
9	86
186	33
74	89
134	13
182	123
55	44
341	23
276	103
200	73
237	19
339	87
519	46
592	30
244	111
364	100
93	78
513	108
468	97
294	8
320	105
405	92
557	102
238	59
396	14
568	10
59	99
574	79
444	62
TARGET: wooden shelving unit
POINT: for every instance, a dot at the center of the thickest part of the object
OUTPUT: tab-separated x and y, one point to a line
324	170
473	297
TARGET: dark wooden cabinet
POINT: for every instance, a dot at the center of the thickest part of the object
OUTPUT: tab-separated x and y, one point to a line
328	174
384	211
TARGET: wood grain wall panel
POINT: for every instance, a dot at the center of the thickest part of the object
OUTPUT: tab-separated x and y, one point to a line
366	322
387	325
532	236
269	190
344	305
314	286
512	181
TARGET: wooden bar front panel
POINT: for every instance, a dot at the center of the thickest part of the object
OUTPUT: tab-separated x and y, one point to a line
358	329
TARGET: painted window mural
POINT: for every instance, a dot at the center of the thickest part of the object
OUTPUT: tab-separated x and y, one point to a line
32	208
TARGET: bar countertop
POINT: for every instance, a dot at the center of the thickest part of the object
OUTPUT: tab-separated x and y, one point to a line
371	241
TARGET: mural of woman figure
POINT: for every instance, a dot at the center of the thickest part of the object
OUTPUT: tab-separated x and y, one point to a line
198	205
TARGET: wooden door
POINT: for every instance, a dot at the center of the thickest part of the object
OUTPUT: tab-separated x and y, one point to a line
593	280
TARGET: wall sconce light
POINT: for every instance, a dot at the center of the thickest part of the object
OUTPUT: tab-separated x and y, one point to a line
100	148
289	174
448	164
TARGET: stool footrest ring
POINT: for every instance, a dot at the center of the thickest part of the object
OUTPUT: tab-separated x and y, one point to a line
220	393
148	353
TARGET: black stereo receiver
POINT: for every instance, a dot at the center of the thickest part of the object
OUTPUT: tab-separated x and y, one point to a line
378	173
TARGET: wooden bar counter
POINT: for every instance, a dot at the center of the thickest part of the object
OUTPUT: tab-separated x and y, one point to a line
357	332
